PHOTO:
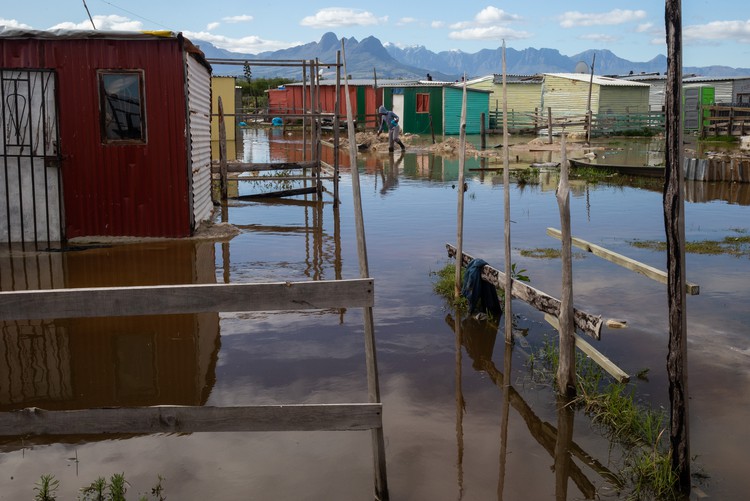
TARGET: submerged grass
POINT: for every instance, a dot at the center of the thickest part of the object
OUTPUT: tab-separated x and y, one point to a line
612	406
738	246
99	490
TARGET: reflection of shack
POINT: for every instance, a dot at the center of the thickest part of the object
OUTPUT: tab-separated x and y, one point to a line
101	362
110	138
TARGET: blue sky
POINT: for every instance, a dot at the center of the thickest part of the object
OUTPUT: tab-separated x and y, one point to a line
715	32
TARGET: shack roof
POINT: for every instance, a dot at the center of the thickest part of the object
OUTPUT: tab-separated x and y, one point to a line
16	34
519	79
356	82
599	80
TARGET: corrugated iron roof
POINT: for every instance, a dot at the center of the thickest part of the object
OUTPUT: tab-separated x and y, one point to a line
357	82
715	79
80	34
599	80
519	79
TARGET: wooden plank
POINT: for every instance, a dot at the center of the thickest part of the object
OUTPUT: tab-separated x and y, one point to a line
257	167
624	261
174	419
595	355
586	322
282	193
194	298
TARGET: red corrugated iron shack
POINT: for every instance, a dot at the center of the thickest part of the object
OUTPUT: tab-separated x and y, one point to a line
104	134
364	96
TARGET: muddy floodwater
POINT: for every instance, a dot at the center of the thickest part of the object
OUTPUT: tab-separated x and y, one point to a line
442	401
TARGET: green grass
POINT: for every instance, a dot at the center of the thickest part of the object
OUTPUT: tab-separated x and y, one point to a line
611	406
720	139
99	490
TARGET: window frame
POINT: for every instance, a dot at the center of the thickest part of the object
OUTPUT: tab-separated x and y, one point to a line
423	102
105	109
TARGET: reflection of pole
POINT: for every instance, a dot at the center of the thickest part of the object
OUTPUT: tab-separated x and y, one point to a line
562	445
460	222
507	361
459	411
373	385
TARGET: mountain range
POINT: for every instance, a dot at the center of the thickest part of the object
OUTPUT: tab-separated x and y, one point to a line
370	57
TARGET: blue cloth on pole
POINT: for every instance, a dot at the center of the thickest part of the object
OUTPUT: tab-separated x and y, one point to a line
481	295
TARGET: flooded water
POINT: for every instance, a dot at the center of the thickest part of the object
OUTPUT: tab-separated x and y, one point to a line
443	401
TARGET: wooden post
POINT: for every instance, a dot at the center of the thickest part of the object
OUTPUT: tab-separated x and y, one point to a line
432	129
674	222
506	210
304	111
588	103
549	124
566	371
373	384
222	153
482	133
460	220
337	132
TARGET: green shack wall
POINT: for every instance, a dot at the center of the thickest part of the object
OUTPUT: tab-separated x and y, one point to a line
476	103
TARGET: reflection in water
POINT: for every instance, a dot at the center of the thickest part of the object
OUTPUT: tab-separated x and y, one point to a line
478	338
83	363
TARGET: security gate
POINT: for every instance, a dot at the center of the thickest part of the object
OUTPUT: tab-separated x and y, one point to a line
30	186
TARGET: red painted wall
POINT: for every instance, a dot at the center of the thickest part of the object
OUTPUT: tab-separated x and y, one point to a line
116	190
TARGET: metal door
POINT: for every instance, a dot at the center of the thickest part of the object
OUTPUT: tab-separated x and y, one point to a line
30	186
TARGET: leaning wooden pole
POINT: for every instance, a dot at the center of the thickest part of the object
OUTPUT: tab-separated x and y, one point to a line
373	384
674	222
566	369
222	153
506	209
460	220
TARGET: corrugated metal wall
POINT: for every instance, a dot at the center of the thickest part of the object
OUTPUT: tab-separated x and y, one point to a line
117	189
623	100
568	97
222	87
419	123
723	89
199	106
476	104
522	97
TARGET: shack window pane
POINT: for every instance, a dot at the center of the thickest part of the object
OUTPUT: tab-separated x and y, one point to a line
122	116
423	103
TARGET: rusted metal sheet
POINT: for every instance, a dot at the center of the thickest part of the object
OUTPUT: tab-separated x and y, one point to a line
124	188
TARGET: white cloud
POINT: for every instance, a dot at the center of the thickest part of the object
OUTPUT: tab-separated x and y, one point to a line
487	16
491	15
112	22
406	20
249	44
573	19
599	37
737	31
437	24
237	19
212	26
645	28
335	17
13	24
489	33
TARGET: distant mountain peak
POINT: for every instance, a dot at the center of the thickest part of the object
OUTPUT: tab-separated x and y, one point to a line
391	61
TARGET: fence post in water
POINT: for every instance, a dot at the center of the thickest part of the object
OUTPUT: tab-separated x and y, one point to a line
482	132
674	222
566	370
371	359
549	124
222	153
460	222
506	227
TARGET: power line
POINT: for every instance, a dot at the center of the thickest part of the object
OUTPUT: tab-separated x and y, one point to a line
134	14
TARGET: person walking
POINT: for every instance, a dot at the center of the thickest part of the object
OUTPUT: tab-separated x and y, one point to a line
390	120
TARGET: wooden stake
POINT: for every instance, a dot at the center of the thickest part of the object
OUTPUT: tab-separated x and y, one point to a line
373	384
222	153
674	222
506	210
566	370
460	221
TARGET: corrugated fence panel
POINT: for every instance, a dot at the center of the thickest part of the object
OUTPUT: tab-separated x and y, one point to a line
199	105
